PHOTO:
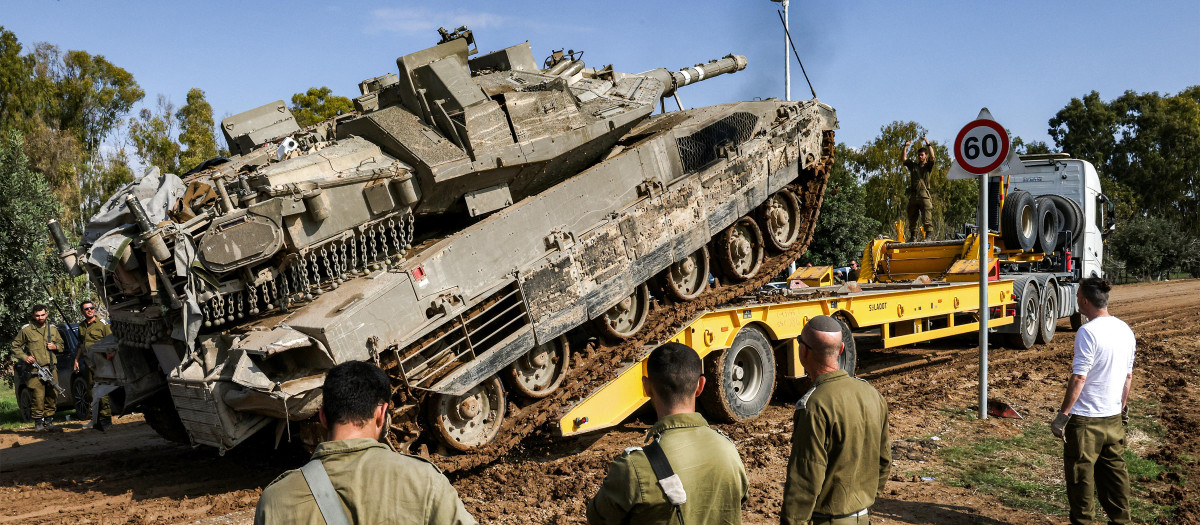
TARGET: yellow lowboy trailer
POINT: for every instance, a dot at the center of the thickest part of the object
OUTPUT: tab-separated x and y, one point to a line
759	341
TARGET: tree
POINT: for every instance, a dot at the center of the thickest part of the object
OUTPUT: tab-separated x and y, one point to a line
17	100
318	104
1020	147
93	95
26	204
843	229
196	131
879	164
153	136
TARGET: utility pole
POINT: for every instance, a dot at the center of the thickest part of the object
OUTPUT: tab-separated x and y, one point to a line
787	59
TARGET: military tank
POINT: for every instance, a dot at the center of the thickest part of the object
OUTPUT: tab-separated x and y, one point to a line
473	216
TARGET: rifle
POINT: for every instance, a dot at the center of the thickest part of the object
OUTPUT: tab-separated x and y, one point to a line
46	375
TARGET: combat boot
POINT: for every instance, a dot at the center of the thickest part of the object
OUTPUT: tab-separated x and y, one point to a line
49	424
38	426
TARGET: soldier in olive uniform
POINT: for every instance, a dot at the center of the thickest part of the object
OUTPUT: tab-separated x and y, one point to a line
92	330
706	463
40	342
841	453
366	481
920	203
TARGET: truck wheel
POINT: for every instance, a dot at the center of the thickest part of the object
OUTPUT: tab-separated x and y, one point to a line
25	404
1049	224
687	278
626	317
472	419
1077	320
1049	315
1029	320
779	218
539	372
1018	227
739	250
82	397
1072	216
740	379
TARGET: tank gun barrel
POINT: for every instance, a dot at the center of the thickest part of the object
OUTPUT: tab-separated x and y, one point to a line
690	75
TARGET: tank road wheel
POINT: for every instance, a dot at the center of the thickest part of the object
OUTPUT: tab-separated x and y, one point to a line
1049	314
1031	302
780	218
739	380
538	373
472	419
82	396
687	278
626	317
740	250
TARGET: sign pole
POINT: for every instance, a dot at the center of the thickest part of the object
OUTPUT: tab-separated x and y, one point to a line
984	311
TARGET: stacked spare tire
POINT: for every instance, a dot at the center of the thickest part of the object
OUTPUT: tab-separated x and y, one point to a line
1044	224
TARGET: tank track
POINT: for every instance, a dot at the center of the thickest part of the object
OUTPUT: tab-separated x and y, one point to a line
599	362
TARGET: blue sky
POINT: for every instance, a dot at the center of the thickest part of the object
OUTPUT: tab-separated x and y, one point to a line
934	62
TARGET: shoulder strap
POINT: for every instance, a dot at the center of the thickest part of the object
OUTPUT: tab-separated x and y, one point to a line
667	479
328	501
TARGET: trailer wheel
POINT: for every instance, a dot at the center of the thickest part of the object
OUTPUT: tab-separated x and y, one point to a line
779	218
626	317
25	404
82	397
1018	227
1029	322
539	372
739	250
739	380
470	420
1049	315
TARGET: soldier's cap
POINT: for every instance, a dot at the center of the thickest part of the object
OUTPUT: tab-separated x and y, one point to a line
824	323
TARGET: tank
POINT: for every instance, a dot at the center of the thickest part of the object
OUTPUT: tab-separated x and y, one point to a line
473	216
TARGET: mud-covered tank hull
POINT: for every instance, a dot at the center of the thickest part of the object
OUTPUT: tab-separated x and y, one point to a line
461	243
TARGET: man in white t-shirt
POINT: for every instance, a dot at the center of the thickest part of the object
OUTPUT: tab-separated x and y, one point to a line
1089	421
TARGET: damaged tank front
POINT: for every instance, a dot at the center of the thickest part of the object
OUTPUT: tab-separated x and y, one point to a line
470	214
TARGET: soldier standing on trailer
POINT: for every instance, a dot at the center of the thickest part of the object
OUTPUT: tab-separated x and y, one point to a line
688	471
920	203
841	454
1090	420
39	342
92	330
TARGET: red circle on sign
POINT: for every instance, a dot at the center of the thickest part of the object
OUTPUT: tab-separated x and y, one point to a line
1003	141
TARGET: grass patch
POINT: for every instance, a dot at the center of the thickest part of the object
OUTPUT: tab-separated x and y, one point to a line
10	413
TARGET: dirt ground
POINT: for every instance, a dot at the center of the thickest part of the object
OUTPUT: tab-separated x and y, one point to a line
129	475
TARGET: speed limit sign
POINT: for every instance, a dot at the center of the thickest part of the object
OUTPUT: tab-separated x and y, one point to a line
981	146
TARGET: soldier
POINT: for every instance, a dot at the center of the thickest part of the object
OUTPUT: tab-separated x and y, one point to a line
920	204
353	477
1089	422
841	454
39	342
91	330
688	471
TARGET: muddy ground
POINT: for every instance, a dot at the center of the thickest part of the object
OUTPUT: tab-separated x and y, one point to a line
130	475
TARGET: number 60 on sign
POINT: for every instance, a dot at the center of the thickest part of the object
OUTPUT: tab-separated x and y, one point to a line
981	146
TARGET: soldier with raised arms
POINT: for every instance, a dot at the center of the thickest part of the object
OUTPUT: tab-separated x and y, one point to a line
39	342
841	454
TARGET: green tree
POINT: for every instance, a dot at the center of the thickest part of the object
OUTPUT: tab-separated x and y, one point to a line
17	100
843	229
878	163
196	131
1020	147
153	136
93	95
26	204
318	104
104	176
